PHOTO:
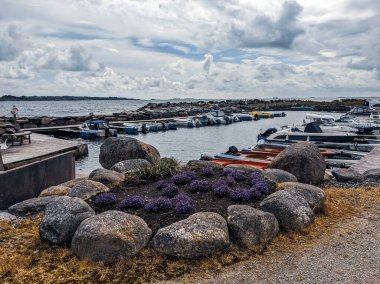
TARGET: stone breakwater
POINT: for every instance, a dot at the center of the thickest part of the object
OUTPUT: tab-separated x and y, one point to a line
153	111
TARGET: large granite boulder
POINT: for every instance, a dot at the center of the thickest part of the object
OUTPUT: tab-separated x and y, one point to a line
114	150
303	160
200	164
278	176
62	217
314	196
292	211
106	177
31	206
85	189
8	218
366	168
130	165
73	182
55	190
199	235
250	226
110	236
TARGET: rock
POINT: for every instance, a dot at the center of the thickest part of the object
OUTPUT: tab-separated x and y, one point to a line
304	160
250	226
291	210
346	175
62	217
130	165
114	150
366	168
244	168
278	176
199	235
314	196
73	182
106	177
46	120
32	206
85	189
55	190
8	218
110	236
199	164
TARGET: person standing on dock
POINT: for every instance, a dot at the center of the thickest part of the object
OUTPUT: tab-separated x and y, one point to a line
14	112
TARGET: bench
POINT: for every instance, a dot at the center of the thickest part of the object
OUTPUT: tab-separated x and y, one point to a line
18	137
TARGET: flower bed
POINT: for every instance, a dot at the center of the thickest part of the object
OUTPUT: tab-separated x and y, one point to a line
161	202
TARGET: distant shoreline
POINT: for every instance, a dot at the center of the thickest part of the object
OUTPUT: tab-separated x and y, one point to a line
61	98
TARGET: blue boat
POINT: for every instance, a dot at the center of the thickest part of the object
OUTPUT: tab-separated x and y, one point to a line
131	128
96	128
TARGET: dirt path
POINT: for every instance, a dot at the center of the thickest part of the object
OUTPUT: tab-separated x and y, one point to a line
349	254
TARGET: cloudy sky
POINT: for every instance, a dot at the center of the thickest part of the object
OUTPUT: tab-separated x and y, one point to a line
195	48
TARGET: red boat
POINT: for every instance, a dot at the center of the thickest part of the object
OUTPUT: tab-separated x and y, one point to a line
254	164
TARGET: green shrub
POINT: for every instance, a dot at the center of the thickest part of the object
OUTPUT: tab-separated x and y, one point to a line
165	168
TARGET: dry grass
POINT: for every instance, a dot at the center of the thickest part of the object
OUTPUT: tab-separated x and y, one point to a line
24	259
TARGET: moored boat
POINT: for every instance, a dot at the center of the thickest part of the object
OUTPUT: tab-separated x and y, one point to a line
96	129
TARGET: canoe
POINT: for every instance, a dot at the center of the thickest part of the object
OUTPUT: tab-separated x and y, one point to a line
274	151
254	164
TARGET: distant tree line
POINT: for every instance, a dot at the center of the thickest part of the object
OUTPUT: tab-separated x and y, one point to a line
58	98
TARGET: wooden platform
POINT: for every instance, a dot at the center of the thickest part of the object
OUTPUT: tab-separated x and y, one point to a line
41	146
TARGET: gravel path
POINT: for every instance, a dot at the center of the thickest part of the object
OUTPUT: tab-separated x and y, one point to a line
350	254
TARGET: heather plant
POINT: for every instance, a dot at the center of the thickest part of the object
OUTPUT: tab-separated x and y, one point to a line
166	167
106	198
230	181
240	194
160	204
227	171
191	174
219	182
259	183
170	191
182	204
161	184
208	172
181	178
199	185
221	190
256	193
132	202
237	176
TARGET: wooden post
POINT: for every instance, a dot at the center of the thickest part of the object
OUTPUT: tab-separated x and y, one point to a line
2	168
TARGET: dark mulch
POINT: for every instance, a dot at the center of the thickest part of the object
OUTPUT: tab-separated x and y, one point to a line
204	202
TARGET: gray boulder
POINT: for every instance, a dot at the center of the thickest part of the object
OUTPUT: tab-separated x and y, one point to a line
31	206
73	182
244	168
314	196
85	189
250	226
110	236
291	210
130	165
6	217
106	177
278	176
199	235
62	217
114	150
199	164
346	175
304	160
55	190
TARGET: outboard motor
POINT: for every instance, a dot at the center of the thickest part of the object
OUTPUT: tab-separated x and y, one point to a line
232	150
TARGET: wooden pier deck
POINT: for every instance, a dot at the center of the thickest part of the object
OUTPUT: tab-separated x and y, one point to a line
41	146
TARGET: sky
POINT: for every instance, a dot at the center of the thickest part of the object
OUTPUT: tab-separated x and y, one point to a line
196	48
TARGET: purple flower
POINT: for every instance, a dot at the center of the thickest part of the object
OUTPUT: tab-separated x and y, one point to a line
237	176
160	204
133	202
181	178
241	194
219	182
208	172
170	191
183	204
230	181
259	183
227	171
256	193
161	184
191	174
106	198
199	185
221	190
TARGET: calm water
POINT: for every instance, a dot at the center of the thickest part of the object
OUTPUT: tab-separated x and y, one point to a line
189	143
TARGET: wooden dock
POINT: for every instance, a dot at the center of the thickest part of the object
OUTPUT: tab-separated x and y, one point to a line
41	147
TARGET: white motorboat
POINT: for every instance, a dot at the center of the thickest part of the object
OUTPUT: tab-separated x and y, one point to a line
95	129
327	123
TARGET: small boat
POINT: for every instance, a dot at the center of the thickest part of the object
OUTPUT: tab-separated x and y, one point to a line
254	164
244	116
95	129
131	128
171	125
220	117
279	114
274	151
327	123
261	114
188	123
